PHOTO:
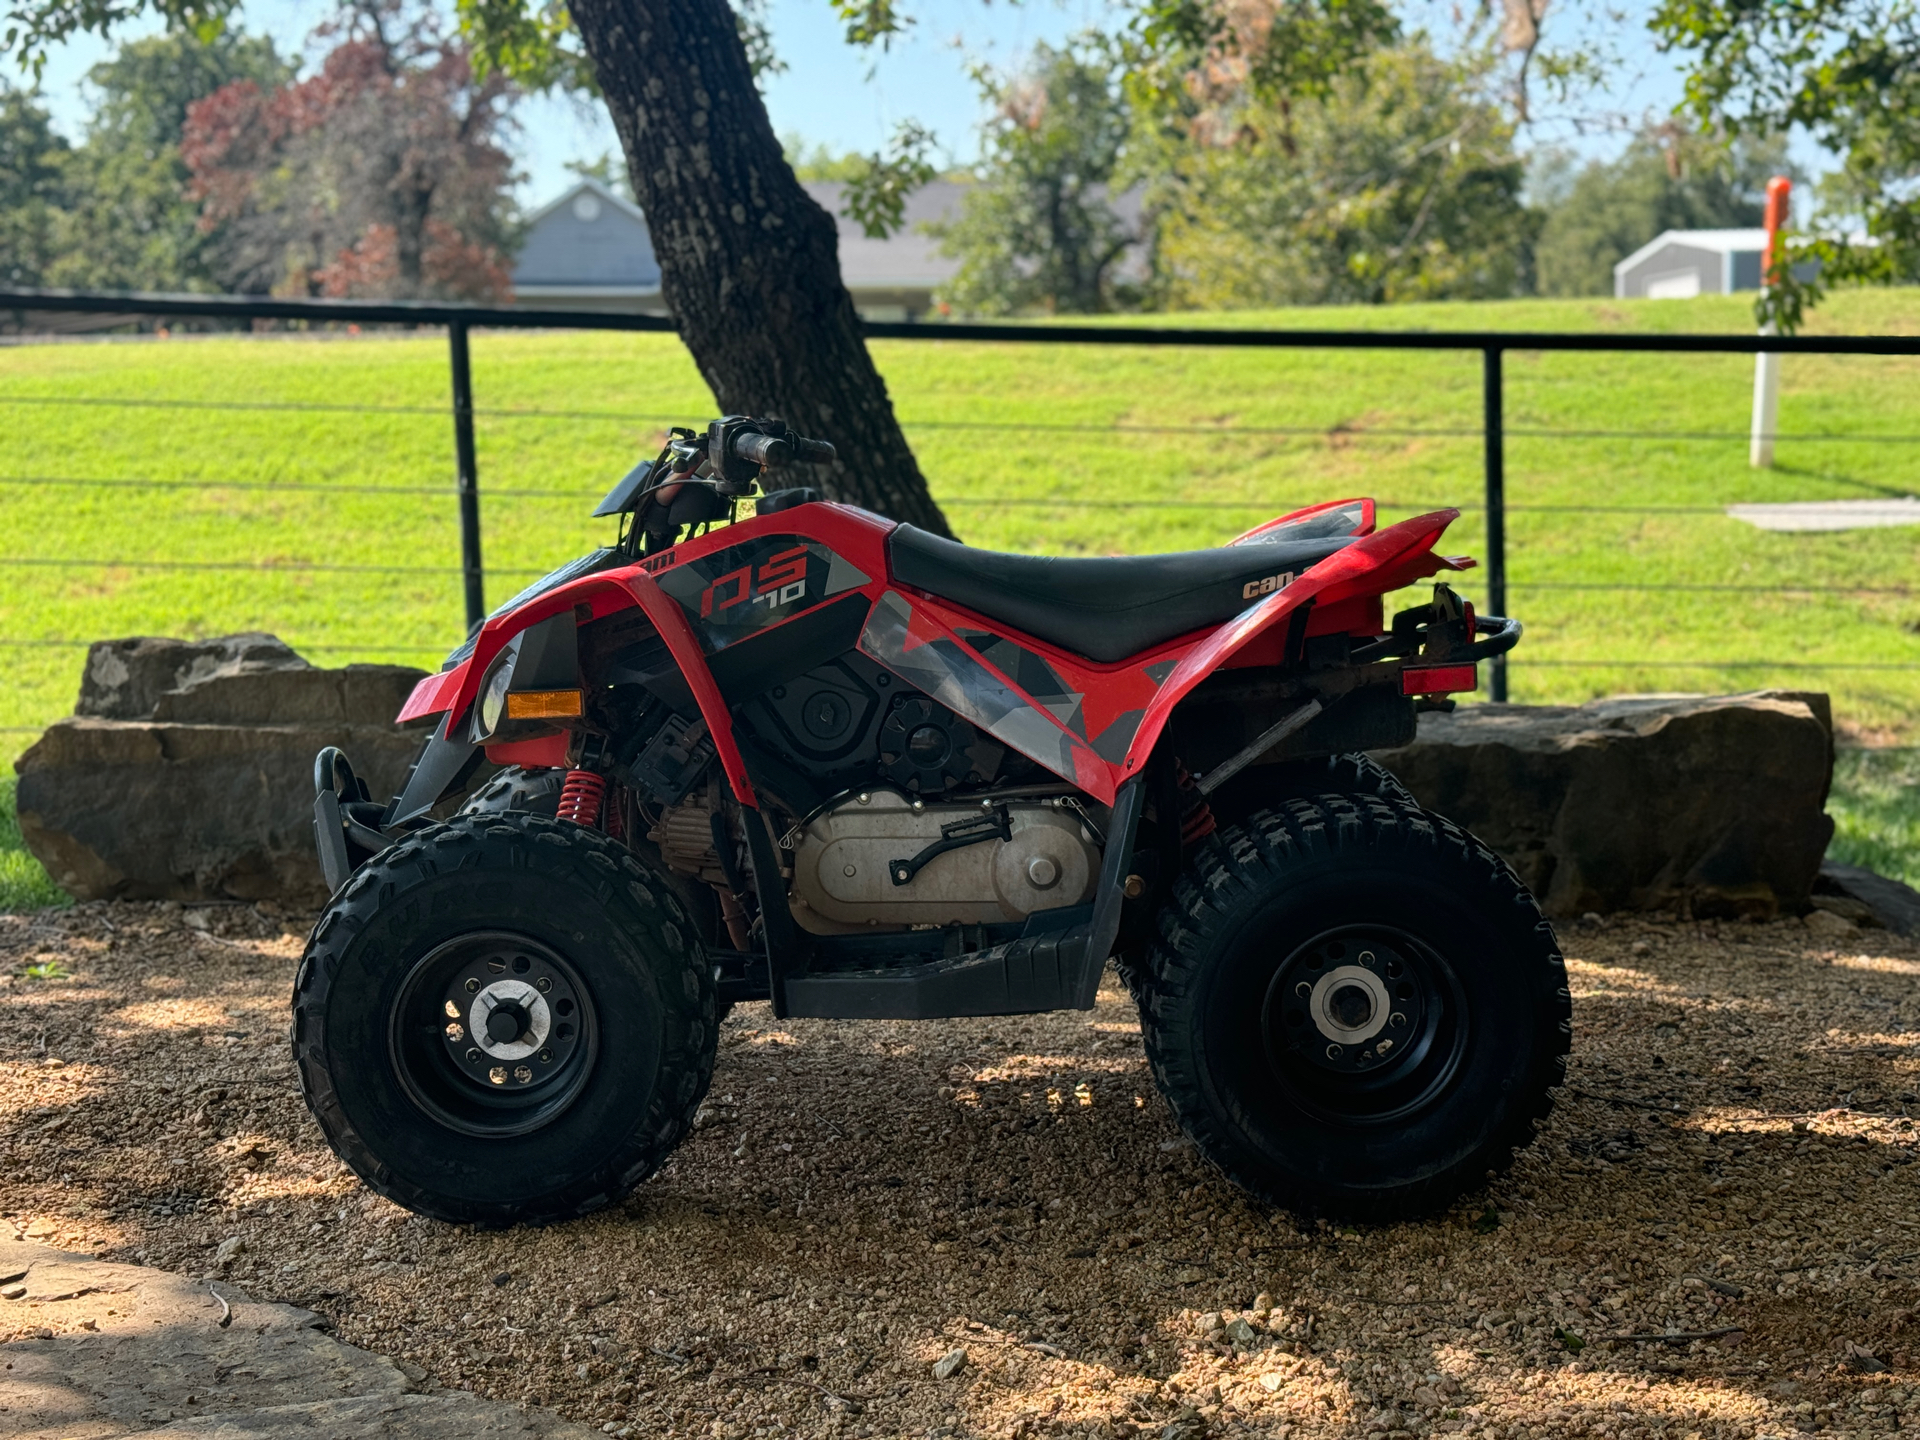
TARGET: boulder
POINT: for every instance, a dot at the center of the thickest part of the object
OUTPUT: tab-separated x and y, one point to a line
1708	805
124	679
1864	897
186	772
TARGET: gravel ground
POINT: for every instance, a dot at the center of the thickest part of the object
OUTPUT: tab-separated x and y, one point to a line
991	1227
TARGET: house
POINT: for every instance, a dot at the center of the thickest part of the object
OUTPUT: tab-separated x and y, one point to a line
590	250
1679	264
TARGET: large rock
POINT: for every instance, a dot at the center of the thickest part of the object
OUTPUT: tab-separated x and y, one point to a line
187	773
124	679
1709	805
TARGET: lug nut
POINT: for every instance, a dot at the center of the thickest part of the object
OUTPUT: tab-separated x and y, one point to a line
522	1073
498	1074
453	1010
543	984
1396	1019
456	1032
473	985
1334	1052
473	1057
546	1057
1366	957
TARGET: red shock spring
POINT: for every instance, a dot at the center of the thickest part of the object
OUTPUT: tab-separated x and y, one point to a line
580	797
1196	816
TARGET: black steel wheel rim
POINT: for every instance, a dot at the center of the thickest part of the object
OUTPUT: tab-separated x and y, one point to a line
493	1034
1364	1024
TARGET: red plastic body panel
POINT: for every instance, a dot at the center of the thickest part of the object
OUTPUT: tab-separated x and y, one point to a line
1370	567
1092	724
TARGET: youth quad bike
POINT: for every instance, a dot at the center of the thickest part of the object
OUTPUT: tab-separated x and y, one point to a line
820	759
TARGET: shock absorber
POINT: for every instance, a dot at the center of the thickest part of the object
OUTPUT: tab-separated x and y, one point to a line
581	796
1196	816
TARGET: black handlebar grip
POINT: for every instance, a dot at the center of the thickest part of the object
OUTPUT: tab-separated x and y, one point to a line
820	450
770	452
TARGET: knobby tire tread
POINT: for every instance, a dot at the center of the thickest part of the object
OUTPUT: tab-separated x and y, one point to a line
1239	864
689	1036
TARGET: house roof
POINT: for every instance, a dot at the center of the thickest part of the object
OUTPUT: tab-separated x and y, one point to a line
910	258
571	249
587	240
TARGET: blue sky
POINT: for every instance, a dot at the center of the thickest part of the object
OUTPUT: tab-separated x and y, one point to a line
850	99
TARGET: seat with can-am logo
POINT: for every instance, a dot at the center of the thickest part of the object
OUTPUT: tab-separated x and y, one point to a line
1104	608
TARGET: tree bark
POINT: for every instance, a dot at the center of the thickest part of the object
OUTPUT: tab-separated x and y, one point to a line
749	264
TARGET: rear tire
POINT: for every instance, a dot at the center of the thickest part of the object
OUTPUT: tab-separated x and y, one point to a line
1355	1008
595	960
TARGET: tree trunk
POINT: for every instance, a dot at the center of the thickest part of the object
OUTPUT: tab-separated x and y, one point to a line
749	264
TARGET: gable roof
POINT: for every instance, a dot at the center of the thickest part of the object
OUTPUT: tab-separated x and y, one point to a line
910	258
588	238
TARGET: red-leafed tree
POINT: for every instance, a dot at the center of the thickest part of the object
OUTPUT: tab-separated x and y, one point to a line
381	175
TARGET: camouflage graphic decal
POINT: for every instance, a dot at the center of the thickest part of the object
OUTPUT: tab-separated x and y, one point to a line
747	588
1033	675
942	667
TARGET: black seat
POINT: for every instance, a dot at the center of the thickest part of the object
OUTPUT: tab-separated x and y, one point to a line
1104	609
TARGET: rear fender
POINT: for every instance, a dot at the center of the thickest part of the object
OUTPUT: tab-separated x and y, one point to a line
451	693
1374	565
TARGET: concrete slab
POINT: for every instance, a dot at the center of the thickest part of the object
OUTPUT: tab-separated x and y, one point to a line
94	1350
1830	514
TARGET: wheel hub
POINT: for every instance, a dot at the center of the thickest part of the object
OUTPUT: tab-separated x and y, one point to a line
1351	1003
510	1017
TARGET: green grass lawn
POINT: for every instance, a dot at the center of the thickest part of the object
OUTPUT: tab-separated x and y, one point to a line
1170	449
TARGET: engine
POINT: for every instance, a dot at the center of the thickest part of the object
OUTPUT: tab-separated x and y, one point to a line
885	858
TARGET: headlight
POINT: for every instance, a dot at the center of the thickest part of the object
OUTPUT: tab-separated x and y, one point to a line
493	694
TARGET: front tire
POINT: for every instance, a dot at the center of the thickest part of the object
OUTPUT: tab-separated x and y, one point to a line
1355	1008
491	924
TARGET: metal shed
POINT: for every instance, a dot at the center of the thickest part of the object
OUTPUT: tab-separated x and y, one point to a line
1679	264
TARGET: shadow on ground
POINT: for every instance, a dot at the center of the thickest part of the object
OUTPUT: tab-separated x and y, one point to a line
1729	1167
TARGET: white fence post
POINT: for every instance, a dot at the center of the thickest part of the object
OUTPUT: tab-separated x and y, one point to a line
1766	367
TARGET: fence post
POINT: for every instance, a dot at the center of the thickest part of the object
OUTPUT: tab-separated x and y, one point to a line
1496	443
468	476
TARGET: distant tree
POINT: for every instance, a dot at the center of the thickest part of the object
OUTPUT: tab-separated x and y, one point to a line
1669	178
382	175
1040	230
1399	181
130	224
32	188
1849	72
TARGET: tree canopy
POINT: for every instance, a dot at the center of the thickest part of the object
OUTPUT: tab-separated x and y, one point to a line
1849	72
1669	177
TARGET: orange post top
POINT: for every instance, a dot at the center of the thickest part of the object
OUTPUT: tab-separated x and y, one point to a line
1778	189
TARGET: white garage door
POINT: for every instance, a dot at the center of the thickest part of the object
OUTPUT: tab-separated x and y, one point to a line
1683	285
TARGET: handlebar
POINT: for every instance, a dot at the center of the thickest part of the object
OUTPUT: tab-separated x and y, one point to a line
775	452
770	452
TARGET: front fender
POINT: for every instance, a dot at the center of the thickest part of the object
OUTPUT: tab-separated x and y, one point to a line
1373	565
451	693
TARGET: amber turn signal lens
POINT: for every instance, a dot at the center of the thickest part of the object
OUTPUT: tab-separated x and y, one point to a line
543	704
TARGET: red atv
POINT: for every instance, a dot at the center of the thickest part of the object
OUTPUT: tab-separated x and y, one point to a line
844	766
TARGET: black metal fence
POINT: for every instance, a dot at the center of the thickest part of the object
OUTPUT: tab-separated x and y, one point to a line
37	307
